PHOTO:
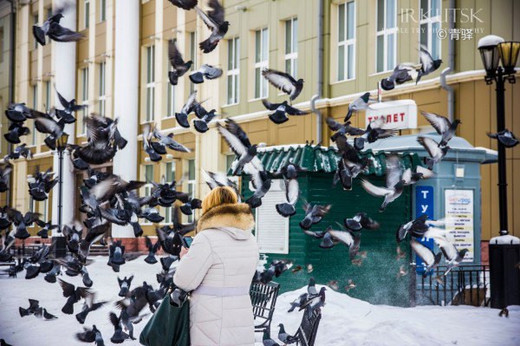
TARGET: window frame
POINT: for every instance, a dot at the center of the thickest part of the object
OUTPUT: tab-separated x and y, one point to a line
147	188
193	55
47	95
261	64
150	84
34	133
102	88
233	71
346	43
292	56
86	14
386	32
85	81
102	10
429	22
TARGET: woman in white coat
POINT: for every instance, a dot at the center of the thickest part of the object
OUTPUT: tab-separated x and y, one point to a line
218	269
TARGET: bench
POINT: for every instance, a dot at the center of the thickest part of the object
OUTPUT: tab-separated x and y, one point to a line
263	299
306	334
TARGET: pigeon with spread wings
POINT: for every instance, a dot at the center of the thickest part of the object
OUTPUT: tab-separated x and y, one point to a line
281	110
214	20
284	81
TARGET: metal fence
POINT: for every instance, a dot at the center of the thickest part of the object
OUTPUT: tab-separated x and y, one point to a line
463	285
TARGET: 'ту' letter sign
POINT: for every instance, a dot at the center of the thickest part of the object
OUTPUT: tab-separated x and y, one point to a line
423	205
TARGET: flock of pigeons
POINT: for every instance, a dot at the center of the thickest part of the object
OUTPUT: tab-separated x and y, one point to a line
108	199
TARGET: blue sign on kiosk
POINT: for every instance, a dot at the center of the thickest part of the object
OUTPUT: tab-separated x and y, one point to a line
424	205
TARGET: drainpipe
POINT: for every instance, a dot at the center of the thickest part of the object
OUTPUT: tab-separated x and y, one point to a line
451	65
11	84
319	89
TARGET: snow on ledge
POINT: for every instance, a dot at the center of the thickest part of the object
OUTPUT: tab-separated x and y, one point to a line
505	240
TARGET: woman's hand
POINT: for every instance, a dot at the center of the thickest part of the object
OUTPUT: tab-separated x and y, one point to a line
183	252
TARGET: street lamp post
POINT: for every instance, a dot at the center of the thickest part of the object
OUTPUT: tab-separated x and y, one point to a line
504	250
493	50
61	144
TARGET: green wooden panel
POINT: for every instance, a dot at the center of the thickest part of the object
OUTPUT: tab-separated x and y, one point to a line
376	279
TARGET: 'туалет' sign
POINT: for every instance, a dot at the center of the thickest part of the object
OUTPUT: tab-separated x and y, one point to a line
400	114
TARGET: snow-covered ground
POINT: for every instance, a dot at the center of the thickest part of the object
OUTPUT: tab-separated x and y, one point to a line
345	321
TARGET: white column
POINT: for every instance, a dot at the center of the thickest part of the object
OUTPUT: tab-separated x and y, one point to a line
126	81
64	67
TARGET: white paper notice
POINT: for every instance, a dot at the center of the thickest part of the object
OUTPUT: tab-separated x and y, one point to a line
459	220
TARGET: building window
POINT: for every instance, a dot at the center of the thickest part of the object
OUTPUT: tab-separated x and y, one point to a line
430	26
271	229
47	96
102	83
386	42
291	46
35	22
261	62
233	70
346	40
147	188
150	83
170	176
170	98
34	106
86	13
84	97
102	10
43	209
191	183
193	55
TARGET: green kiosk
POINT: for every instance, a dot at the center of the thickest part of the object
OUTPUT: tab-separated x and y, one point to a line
382	273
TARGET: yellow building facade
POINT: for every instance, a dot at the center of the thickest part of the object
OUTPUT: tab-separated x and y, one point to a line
357	44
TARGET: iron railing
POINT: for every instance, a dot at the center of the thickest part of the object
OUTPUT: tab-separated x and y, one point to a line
463	285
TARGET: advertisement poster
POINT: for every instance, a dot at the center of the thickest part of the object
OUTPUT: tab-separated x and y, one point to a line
459	220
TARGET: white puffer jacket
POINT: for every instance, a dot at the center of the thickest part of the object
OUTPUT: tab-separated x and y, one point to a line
218	269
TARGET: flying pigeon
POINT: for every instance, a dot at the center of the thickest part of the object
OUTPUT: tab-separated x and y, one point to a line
91	335
119	336
33	306
453	256
73	295
19	112
201	125
284	81
443	126
46	124
428	64
88	307
402	73
205	71
124	285
430	259
358	104
506	137
169	142
281	110
15	131
214	20
184	4
436	152
189	106
390	192
19	151
375	130
343	129
179	67
292	190
4	177
69	107
420	173
152	250
239	143
52	28
103	141
262	184
416	227
314	213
